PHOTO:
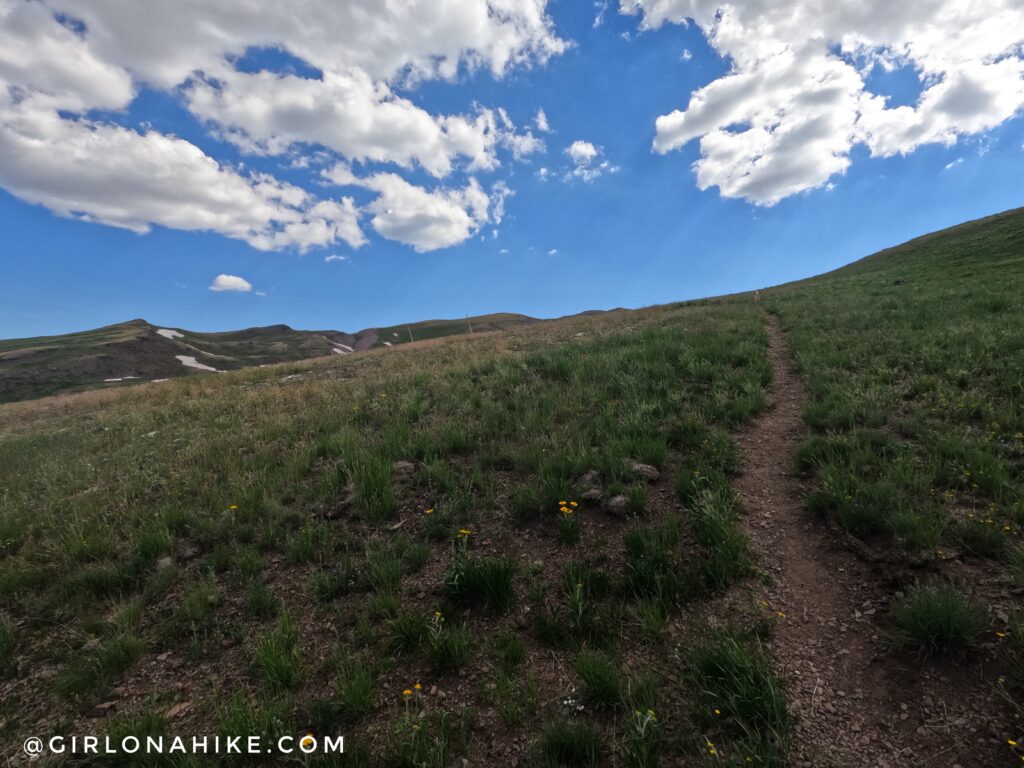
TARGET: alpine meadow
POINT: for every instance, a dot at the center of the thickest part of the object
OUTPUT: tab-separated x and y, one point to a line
511	384
554	544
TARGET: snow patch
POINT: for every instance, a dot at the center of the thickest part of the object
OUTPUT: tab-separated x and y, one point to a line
338	347
192	363
167	333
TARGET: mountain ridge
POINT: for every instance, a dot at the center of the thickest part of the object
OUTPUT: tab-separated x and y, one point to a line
137	351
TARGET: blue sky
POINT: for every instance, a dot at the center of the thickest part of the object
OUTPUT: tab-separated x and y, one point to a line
640	232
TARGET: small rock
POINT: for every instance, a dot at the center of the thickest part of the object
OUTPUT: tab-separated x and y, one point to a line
646	471
178	710
164	563
402	468
617	506
591	479
592	495
104	709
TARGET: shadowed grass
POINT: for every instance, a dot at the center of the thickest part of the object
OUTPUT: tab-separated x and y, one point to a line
937	620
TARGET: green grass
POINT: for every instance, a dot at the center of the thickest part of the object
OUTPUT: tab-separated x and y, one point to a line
911	377
274	492
88	676
568	745
8	646
600	679
277	661
407	631
937	620
486	582
725	558
1015	562
448	646
357	692
740	701
263	603
509	652
291	531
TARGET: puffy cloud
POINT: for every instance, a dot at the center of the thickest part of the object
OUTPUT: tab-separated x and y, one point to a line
61	59
232	283
113	175
795	102
347	112
163	44
581	152
586	160
358	48
42	57
428	220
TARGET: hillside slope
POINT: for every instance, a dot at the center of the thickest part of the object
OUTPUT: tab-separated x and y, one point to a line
580	542
138	351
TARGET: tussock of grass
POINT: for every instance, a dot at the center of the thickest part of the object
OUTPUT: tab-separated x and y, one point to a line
374	491
600	678
277	661
448	646
936	620
509	652
740	701
725	557
407	631
566	744
356	690
486	582
654	567
263	603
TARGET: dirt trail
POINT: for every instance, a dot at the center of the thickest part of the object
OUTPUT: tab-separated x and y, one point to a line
856	704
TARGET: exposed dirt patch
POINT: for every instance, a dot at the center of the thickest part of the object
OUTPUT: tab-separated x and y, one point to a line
857	704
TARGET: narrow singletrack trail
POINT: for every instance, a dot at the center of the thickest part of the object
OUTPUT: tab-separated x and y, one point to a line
856	704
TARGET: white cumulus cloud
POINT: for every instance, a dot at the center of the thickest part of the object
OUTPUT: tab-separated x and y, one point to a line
428	220
588	161
62	59
796	99
230	283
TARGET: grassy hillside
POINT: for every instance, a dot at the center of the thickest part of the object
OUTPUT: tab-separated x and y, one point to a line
519	548
258	525
914	361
